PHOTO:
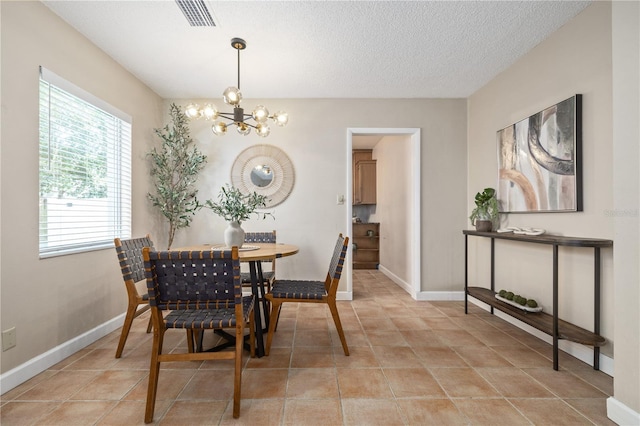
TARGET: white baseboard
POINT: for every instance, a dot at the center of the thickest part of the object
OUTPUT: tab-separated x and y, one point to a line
348	295
621	414
344	295
582	352
399	281
37	365
421	295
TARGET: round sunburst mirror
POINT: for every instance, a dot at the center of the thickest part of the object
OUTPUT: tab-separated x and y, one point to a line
264	169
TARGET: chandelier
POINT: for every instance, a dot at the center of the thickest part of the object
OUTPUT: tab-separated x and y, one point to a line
232	96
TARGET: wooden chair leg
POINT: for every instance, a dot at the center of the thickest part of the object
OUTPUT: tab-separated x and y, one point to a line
278	317
154	372
150	325
126	327
273	320
336	319
190	345
237	381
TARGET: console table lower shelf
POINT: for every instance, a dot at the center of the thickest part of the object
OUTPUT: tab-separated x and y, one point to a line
539	320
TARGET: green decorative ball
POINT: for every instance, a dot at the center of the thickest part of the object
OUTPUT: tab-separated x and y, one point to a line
532	303
502	293
509	295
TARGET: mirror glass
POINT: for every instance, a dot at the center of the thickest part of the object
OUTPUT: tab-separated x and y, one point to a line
261	175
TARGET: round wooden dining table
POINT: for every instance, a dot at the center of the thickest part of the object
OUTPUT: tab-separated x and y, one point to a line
255	254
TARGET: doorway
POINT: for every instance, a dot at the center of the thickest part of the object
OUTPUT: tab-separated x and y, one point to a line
412	284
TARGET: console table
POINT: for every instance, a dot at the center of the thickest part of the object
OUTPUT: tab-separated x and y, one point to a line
550	324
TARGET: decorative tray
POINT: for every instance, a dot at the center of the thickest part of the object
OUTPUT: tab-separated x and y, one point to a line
524	231
517	305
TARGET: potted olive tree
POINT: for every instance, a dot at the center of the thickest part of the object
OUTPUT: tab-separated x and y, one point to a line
174	169
236	207
485	215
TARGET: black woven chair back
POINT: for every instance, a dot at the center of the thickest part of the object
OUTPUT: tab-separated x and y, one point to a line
130	257
260	237
337	260
205	279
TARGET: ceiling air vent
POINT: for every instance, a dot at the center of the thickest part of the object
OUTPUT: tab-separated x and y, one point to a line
196	13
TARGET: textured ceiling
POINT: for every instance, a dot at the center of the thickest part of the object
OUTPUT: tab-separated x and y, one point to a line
319	49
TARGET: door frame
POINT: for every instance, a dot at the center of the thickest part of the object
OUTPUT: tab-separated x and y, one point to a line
414	245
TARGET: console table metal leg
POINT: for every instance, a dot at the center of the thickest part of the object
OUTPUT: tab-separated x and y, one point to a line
555	307
596	306
493	267
466	273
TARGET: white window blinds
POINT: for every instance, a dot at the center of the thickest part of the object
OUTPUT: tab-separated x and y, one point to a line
85	169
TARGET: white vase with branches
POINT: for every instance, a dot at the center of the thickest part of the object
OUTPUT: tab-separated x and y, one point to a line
236	207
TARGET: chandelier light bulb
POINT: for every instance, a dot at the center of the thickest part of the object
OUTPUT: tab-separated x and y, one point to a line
232	96
192	111
260	114
219	128
243	129
209	112
281	118
263	130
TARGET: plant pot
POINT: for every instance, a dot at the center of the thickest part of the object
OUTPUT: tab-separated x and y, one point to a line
483	225
234	235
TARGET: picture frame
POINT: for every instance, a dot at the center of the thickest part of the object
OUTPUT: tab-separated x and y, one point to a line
539	161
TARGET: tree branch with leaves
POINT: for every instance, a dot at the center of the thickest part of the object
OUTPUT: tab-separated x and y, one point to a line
175	168
234	206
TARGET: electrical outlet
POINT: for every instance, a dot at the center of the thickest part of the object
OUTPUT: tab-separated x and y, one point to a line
8	339
340	199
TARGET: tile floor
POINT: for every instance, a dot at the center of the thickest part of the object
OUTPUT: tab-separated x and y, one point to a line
411	363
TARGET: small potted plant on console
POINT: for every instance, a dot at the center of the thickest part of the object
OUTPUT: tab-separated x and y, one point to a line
485	215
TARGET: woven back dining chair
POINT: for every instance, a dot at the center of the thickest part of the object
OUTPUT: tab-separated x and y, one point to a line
301	291
269	275
196	291
132	267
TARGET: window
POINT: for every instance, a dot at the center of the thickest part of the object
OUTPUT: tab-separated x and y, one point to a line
85	169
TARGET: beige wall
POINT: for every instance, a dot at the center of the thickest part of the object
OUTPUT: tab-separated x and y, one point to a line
575	59
596	54
315	141
64	297
626	193
393	209
73	294
54	300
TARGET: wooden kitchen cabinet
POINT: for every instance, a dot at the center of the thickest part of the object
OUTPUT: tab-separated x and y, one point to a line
366	245
364	177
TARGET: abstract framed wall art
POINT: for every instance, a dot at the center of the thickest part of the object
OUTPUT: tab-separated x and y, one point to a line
539	161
